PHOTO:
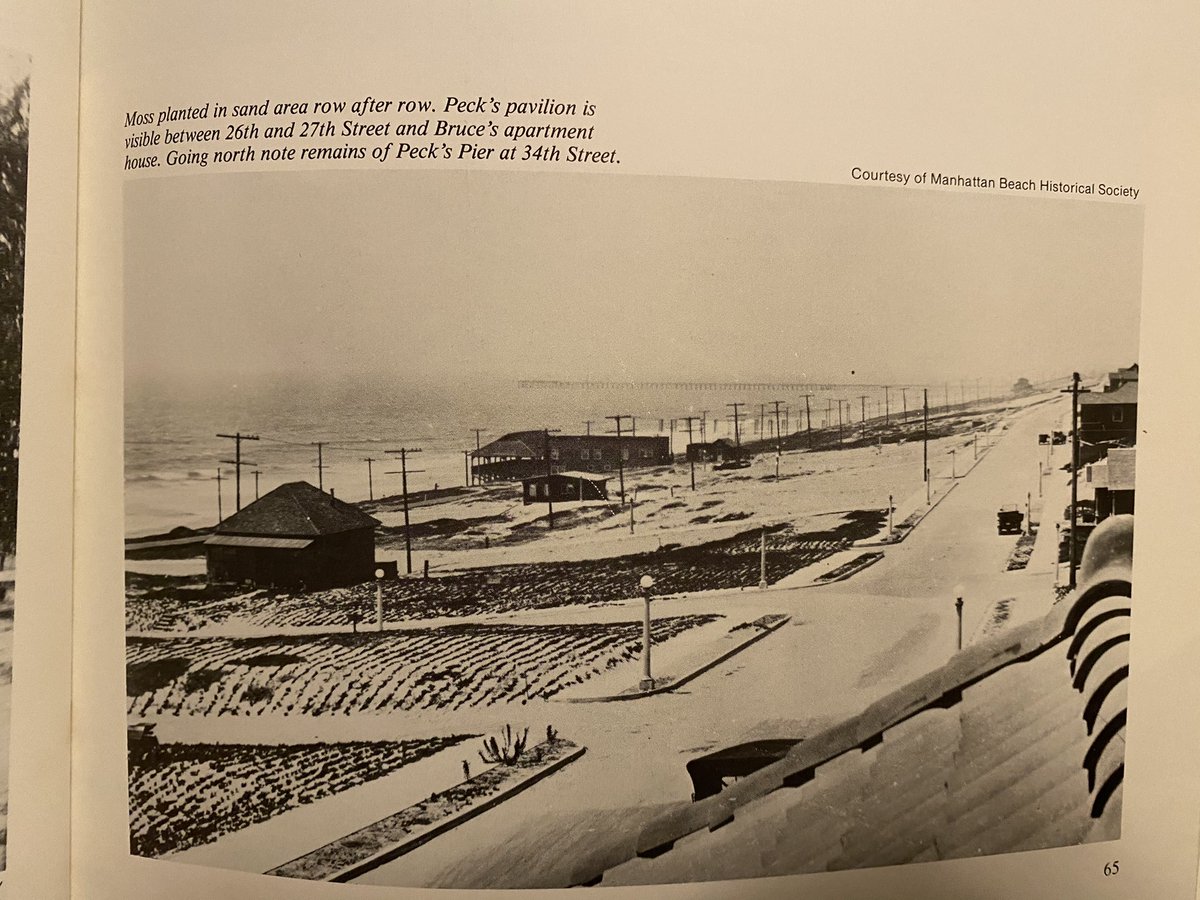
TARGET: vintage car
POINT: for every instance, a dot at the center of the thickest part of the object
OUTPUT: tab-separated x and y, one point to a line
1010	520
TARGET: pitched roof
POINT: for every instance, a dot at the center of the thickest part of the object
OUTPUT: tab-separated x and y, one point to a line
521	444
296	509
1126	393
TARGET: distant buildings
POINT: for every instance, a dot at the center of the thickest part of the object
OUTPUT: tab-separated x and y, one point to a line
1108	418
564	486
1107	442
522	454
295	536
718	451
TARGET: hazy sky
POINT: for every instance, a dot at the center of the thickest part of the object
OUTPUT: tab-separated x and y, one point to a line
532	275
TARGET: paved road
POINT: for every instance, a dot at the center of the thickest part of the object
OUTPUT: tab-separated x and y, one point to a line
848	644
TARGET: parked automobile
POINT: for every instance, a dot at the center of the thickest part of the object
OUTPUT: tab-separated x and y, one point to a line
1085	512
1059	437
1010	520
1084	531
1043	438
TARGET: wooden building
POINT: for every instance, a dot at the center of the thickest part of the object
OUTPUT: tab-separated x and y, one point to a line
1112	480
1107	419
562	487
718	451
523	454
296	536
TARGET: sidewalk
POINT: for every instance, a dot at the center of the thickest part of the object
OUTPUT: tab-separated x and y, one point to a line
620	684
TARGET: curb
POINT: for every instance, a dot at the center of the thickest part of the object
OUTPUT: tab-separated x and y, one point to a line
412	843
695	673
850	573
913	527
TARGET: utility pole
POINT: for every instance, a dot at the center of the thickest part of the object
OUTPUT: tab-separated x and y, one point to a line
691	456
886	408
904	400
404	473
829	414
808	419
549	472
925	453
737	435
588	423
236	462
370	479
256	473
320	466
703	426
841	439
863	399
1075	390
620	458
220	512
778	433
467	467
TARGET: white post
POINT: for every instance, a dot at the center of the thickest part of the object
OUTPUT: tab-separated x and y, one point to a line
762	560
647	682
379	599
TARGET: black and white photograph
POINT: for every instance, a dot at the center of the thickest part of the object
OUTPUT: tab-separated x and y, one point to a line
14	163
492	529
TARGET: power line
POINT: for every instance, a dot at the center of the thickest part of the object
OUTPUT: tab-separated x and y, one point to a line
737	435
236	462
320	466
620	458
403	473
370	481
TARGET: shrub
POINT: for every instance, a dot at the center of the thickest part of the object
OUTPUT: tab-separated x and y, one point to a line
509	752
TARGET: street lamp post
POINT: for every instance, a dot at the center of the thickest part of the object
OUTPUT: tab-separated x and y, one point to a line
379	599
762	560
958	608
647	682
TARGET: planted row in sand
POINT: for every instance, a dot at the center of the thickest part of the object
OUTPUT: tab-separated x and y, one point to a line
184	795
429	668
716	565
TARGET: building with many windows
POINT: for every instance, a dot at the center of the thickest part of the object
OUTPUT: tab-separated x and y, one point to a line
524	454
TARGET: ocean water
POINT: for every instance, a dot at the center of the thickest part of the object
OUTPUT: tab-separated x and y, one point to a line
173	454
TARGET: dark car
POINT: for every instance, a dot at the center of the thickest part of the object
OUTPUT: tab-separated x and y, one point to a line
1009	520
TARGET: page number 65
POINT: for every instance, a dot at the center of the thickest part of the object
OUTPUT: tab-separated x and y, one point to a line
1112	868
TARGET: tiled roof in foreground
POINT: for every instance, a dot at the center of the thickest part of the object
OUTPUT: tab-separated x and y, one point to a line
1016	744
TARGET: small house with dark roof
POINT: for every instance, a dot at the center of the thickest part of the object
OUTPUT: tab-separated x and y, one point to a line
563	487
295	536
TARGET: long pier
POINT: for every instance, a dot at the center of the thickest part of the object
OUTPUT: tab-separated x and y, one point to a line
763	386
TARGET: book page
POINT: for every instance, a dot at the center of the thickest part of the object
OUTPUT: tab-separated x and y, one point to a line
628	445
39	80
